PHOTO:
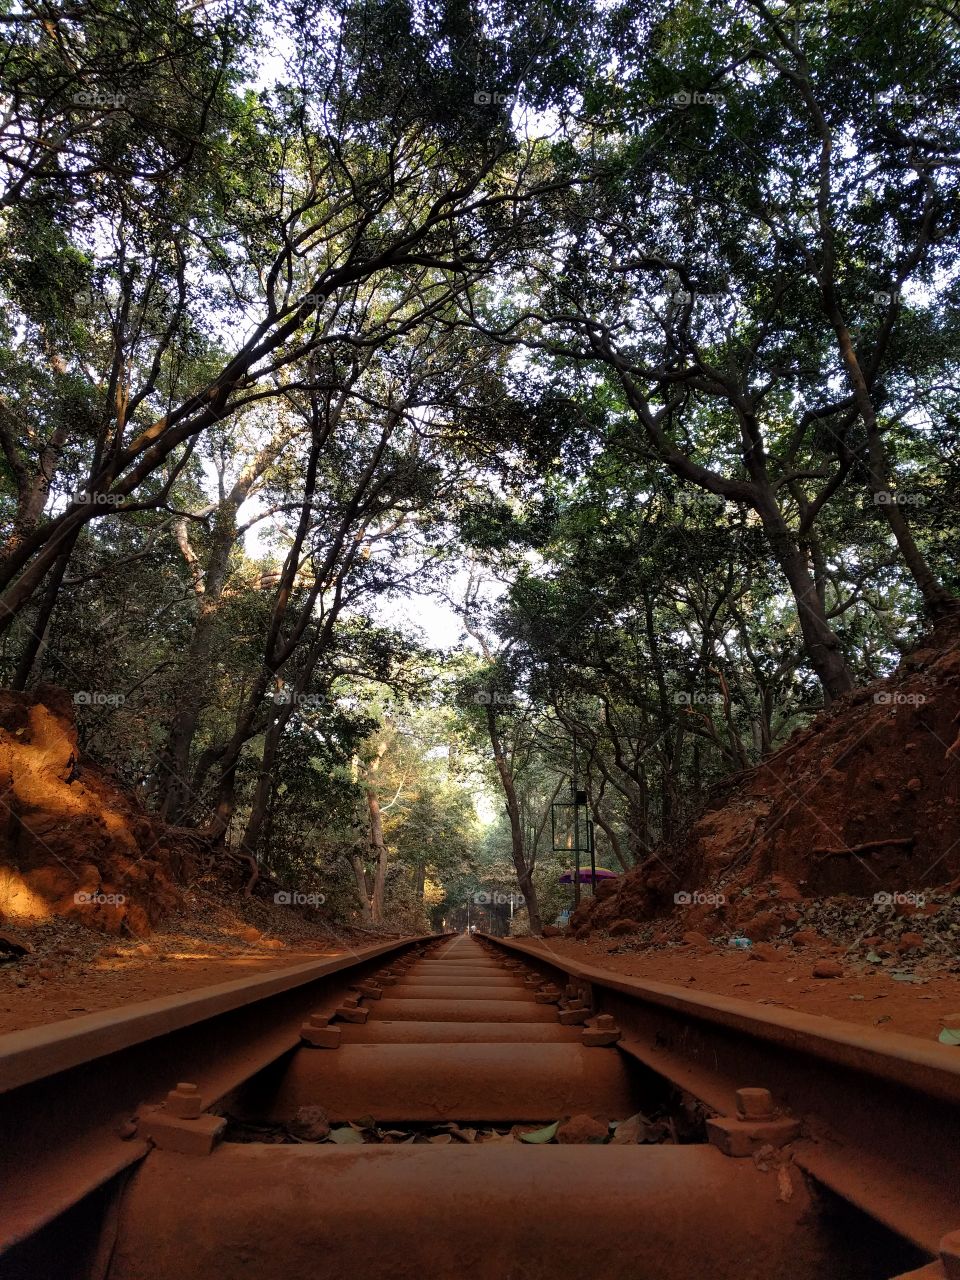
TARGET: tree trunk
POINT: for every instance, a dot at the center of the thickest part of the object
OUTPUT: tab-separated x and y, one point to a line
37	637
938	601
264	787
363	892
379	853
193	685
820	641
524	877
525	881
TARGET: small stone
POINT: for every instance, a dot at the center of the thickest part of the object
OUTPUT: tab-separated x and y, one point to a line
828	969
762	951
249	934
762	927
581	1130
914	784
806	938
311	1124
696	939
46	974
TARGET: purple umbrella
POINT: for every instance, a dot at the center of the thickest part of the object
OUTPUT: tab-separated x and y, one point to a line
602	873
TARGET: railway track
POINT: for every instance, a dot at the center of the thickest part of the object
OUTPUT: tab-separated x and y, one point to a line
796	1147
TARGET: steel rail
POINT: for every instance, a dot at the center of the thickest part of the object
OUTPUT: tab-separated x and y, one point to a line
67	1088
880	1111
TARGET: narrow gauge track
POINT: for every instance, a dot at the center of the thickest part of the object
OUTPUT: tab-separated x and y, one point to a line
813	1148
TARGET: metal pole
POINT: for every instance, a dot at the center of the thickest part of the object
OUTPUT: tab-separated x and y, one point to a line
576	831
593	858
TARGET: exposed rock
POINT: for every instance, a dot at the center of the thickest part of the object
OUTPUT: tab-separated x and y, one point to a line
72	842
14	943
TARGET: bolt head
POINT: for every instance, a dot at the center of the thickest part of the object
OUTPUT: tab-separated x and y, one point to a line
755	1104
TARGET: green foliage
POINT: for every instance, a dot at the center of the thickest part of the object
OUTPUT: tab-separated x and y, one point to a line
643	318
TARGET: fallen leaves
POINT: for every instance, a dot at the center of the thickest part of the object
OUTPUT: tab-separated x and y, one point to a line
311	1124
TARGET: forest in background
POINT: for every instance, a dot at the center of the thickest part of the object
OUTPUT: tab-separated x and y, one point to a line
627	331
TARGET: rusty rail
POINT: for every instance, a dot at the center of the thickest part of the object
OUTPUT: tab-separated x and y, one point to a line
880	1111
68	1089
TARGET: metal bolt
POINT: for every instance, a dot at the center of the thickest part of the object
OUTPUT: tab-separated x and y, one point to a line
185	1101
755	1104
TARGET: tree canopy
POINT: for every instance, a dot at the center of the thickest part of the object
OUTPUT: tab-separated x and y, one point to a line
624	334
